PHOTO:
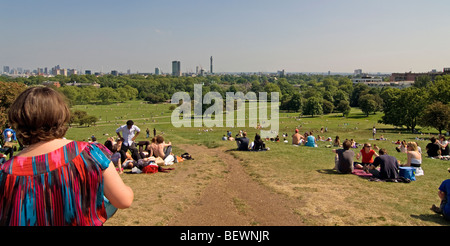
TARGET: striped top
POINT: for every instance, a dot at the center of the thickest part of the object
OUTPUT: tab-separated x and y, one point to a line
63	187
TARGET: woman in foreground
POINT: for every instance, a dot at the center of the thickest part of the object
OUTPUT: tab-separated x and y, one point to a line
55	181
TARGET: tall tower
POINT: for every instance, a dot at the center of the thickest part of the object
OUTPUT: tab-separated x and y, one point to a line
211	65
176	68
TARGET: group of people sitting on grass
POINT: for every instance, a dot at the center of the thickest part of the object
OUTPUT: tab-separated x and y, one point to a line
154	153
386	167
345	164
244	144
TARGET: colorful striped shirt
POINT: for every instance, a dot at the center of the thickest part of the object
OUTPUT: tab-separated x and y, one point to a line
63	187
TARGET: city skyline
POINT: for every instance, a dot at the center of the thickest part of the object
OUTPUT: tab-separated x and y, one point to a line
242	36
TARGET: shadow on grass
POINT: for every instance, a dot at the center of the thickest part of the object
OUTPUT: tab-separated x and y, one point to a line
436	218
327	171
334	172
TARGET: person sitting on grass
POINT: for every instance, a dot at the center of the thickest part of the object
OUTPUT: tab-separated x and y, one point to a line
310	140
414	158
389	166
242	142
344	158
160	148
297	138
444	195
337	142
258	143
114	147
433	149
144	149
367	154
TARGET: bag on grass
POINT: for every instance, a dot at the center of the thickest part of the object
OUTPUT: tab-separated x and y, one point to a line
151	168
408	173
187	156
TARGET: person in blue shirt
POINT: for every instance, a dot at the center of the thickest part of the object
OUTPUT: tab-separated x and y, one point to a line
310	140
444	195
9	135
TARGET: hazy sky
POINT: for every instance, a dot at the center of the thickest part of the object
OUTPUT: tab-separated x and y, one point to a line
242	36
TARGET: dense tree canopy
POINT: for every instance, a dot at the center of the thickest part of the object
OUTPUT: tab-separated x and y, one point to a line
310	94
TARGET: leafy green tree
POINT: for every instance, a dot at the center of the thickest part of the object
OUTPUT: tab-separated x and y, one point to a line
87	94
293	102
436	115
358	89
71	93
367	104
108	95
440	90
313	106
340	95
285	87
272	87
8	93
343	107
404	107
422	81
327	107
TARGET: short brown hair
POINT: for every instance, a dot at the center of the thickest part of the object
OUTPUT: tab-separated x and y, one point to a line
347	144
159	139
39	114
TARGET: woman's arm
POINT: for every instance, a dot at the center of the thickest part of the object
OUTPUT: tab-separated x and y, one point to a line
120	195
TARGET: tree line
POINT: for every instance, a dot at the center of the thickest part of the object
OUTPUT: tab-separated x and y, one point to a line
306	94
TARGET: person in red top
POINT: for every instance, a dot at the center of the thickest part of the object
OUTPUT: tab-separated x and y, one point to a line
367	154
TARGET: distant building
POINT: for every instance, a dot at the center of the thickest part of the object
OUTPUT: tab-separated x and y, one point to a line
211	64
157	71
83	84
87	72
410	76
72	71
176	68
115	73
366	79
54	83
6	69
358	72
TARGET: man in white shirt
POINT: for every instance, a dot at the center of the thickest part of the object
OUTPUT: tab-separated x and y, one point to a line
130	132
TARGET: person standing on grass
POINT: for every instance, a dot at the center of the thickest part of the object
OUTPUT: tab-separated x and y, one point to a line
130	132
55	181
344	158
374	131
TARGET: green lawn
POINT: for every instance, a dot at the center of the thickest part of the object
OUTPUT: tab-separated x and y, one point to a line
302	172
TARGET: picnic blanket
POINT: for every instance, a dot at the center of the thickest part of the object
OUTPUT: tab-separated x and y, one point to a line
369	176
361	173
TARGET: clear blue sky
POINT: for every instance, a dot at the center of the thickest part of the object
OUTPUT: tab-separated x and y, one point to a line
242	36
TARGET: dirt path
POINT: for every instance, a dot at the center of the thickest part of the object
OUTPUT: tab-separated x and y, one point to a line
234	198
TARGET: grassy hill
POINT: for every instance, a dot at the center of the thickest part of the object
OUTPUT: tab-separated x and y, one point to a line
297	172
